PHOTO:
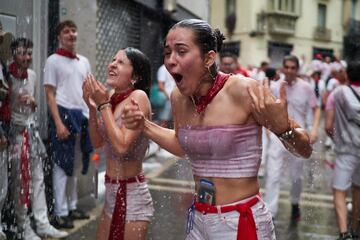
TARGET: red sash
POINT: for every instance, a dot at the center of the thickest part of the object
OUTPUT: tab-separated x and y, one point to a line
246	225
117	228
219	82
25	170
66	53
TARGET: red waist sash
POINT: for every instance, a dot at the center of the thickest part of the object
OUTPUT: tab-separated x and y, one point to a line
246	224
117	228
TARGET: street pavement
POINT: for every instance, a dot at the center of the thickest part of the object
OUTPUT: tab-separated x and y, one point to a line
171	185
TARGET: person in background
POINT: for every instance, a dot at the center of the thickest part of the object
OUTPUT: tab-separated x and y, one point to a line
300	100
218	119
228	63
27	150
342	124
166	84
5	117
64	74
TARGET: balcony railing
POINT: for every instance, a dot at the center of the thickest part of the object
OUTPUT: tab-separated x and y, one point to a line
322	34
282	23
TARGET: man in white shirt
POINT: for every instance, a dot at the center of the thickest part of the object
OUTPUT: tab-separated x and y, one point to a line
166	84
64	74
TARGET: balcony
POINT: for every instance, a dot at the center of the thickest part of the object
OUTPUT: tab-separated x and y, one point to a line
281	23
322	34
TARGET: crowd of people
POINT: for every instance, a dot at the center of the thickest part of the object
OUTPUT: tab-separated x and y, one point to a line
225	119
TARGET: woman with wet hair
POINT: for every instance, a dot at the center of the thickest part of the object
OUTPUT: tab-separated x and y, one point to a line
128	204
217	126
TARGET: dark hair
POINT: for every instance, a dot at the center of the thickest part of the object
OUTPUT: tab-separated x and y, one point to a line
228	54
353	71
205	37
20	42
291	58
270	72
141	69
63	24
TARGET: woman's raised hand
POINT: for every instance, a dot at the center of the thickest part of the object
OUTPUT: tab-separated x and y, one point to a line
267	110
98	92
133	117
86	94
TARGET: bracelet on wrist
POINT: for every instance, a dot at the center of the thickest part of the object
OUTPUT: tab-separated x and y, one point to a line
103	105
287	135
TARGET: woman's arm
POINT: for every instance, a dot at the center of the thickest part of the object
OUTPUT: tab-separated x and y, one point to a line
166	138
122	138
272	114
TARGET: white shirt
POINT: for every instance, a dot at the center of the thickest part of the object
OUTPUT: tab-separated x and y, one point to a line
165	77
300	97
67	76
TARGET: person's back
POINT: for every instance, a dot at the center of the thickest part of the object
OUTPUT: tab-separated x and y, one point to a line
342	124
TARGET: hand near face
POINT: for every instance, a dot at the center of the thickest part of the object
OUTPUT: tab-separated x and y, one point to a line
98	92
269	111
132	116
86	94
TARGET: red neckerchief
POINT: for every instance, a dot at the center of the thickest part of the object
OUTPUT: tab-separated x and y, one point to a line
25	170
117	98
219	82
15	71
66	53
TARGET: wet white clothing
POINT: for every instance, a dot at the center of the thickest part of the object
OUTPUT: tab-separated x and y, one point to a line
67	76
301	99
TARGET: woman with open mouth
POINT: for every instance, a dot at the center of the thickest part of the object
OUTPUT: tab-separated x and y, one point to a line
217	126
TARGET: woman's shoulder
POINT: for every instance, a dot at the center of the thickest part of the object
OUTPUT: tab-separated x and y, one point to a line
238	85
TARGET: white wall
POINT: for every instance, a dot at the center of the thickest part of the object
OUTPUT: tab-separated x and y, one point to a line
83	13
199	7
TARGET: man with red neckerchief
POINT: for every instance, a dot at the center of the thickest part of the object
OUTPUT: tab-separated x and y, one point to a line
26	149
65	71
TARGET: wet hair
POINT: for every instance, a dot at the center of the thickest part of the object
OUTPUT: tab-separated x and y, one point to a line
20	42
270	72
63	24
353	71
141	69
291	58
205	37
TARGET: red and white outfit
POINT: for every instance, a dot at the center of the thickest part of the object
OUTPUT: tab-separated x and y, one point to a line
67	73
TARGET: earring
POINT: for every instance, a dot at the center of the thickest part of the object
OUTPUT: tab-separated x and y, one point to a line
209	71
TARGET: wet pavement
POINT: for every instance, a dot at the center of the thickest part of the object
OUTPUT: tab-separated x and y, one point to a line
171	186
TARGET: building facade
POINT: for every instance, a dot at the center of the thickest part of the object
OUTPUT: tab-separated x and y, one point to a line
269	29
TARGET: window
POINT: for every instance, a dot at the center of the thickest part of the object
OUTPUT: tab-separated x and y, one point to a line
322	15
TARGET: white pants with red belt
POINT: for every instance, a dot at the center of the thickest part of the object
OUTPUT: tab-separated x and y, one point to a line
278	158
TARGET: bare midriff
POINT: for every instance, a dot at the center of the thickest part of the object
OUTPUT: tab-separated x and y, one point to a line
123	169
230	190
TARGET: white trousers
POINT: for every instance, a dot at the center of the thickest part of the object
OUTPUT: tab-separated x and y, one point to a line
37	186
65	187
278	158
3	180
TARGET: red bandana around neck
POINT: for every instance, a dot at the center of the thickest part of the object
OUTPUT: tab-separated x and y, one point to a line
117	98
66	53
16	72
219	82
